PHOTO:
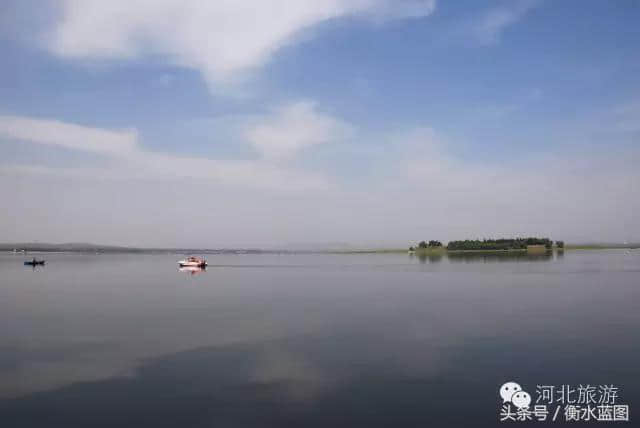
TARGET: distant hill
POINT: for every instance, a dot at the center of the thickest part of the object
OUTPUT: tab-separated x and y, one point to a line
83	247
70	246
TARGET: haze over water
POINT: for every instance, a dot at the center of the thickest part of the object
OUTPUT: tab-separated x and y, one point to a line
308	340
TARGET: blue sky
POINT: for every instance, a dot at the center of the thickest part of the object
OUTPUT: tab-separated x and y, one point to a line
301	122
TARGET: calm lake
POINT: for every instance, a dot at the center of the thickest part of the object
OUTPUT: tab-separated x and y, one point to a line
309	340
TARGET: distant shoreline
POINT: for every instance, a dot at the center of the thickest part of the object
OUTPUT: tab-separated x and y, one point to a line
22	248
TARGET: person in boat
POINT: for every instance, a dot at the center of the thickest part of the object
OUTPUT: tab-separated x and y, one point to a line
34	261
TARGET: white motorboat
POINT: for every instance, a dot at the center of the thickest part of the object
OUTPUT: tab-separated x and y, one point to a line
193	262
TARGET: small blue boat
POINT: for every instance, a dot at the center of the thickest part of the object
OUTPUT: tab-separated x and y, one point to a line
34	262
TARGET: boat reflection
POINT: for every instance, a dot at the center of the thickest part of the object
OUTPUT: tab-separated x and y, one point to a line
193	270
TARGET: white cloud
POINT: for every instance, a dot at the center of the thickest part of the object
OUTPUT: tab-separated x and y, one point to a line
424	154
68	135
419	189
626	118
491	26
163	81
218	38
294	127
592	195
131	161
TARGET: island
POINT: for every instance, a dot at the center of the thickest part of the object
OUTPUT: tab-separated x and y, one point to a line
530	244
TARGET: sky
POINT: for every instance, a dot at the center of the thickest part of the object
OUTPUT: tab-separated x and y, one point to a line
292	123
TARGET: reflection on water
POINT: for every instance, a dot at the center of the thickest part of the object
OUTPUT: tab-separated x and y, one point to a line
486	257
506	256
431	258
308	340
193	270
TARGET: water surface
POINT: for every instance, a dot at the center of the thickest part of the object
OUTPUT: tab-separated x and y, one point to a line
308	340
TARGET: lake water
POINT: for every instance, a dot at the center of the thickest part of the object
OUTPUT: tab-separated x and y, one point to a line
309	340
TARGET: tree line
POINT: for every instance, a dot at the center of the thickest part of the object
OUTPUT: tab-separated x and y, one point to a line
425	244
490	244
499	244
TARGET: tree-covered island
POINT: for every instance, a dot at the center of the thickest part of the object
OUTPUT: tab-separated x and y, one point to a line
504	244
